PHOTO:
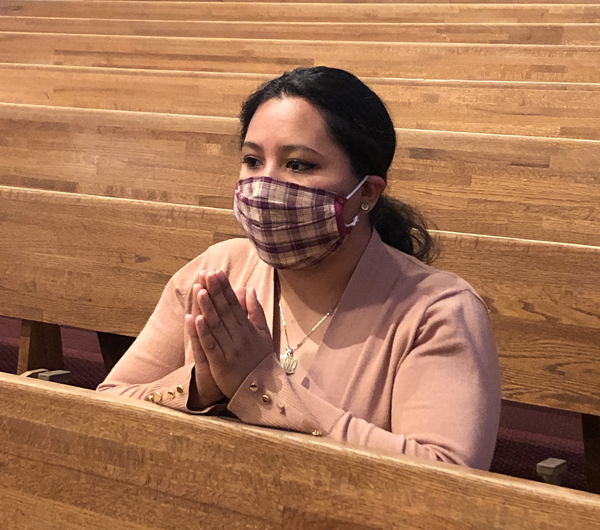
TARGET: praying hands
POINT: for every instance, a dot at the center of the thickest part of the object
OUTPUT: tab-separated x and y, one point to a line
229	336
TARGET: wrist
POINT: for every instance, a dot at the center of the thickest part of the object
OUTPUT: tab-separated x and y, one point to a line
199	396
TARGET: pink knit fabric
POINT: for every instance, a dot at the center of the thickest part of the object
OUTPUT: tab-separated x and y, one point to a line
407	364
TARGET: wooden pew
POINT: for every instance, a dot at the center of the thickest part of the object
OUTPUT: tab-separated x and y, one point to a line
93	262
71	458
318	12
482	33
567	110
531	324
416	60
100	263
509	186
349	2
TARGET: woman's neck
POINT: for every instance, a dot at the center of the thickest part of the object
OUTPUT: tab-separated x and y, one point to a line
316	290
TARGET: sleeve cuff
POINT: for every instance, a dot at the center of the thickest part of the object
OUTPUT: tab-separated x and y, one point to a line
268	398
173	391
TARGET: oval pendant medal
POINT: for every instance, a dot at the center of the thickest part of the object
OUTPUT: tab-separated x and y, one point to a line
288	362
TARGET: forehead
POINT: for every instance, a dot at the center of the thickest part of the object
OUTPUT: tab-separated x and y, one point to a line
289	120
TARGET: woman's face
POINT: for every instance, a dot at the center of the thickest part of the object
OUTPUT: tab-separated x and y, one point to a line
287	140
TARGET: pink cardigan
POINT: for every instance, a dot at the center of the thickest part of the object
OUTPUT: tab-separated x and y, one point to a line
407	364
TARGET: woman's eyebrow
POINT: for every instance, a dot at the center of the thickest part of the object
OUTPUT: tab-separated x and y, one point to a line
252	145
298	147
284	149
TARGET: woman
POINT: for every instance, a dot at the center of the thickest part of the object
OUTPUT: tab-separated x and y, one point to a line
335	326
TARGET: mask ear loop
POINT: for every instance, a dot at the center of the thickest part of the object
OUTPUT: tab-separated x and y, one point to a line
357	187
355	220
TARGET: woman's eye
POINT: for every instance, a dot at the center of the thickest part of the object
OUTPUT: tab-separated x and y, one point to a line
250	162
299	165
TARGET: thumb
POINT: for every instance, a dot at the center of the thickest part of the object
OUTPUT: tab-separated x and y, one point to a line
256	314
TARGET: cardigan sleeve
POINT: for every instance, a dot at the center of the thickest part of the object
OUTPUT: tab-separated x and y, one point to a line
446	393
154	368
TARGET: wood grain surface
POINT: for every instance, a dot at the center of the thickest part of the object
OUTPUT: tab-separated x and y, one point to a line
346	2
568	110
96	263
417	60
299	12
544	301
101	263
482	33
511	186
105	463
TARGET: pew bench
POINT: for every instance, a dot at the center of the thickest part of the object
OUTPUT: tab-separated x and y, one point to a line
508	186
462	32
72	458
350	2
575	64
581	12
100	263
557	110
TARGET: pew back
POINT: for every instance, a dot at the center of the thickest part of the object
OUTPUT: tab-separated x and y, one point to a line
464	182
389	59
100	263
85	460
482	33
567	110
300	12
344	3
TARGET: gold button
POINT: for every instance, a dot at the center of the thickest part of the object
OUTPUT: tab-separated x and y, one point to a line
180	389
266	399
281	407
316	433
254	387
150	397
171	394
157	397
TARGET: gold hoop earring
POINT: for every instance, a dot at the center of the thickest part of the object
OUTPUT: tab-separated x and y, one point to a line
365	206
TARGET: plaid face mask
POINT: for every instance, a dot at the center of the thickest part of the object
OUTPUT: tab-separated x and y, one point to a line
291	226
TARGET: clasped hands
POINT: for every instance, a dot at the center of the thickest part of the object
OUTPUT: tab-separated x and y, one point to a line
229	335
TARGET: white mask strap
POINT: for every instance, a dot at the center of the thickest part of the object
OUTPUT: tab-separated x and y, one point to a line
355	220
357	187
353	223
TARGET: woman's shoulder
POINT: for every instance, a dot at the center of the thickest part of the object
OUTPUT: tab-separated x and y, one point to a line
425	295
232	256
232	249
428	280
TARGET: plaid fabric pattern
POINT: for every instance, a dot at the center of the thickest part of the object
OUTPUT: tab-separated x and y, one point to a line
291	226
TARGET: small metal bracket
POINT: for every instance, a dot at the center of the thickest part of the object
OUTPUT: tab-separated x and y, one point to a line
56	376
551	469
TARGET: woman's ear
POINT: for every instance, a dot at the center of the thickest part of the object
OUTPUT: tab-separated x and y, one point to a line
371	191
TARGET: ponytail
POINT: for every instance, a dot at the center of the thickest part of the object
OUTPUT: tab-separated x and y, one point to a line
403	228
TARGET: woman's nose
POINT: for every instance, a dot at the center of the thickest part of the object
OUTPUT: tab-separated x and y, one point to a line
274	171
